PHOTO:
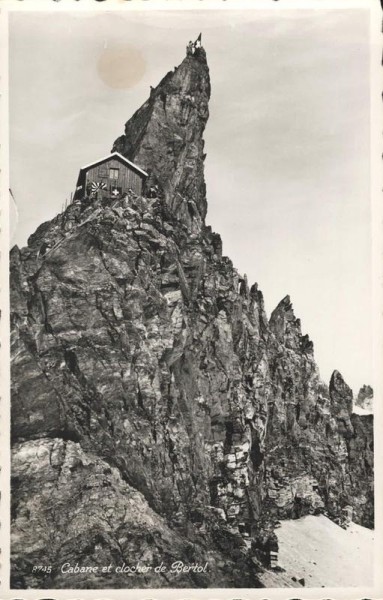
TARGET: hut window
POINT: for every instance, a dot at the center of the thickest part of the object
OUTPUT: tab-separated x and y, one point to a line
113	173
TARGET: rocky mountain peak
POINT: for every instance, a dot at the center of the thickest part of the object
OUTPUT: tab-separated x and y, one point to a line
283	312
165	135
365	398
338	386
341	402
170	417
287	328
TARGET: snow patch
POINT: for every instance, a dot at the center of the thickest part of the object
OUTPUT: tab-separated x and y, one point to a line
317	550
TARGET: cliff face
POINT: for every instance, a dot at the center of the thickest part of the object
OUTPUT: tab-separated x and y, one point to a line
157	415
165	137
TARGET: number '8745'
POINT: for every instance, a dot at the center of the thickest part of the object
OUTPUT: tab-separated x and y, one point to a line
42	569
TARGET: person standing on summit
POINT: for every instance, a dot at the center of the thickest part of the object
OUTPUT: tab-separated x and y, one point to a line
192	47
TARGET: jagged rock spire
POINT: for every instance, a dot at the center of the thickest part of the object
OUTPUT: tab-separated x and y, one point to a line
287	328
341	403
365	398
340	392
165	135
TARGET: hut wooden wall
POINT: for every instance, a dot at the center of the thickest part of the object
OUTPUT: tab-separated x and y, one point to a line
127	178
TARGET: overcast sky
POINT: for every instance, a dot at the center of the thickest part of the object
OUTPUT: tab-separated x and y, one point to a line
287	143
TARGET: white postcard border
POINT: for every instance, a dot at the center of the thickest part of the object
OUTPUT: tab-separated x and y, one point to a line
376	592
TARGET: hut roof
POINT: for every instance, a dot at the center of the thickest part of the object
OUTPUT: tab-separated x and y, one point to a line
118	156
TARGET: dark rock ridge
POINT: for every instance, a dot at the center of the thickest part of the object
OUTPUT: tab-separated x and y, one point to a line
157	414
165	136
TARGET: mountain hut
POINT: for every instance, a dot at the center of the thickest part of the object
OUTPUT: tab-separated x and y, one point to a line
113	175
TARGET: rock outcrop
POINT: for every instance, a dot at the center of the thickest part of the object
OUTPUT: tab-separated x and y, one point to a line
165	137
157	414
365	398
